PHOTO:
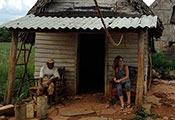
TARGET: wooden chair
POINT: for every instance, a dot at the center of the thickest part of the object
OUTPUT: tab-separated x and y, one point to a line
133	79
33	84
60	85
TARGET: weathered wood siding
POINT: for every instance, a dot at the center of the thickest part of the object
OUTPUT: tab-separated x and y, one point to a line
62	48
164	9
128	50
76	5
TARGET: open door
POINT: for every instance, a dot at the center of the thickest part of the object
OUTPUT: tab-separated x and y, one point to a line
91	62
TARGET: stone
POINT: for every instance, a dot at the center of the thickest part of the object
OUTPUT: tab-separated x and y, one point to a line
160	95
77	97
98	94
147	108
149	118
101	107
53	111
153	99
59	117
159	119
95	118
155	73
124	113
59	106
108	111
172	73
77	113
107	105
173	105
3	118
165	118
128	112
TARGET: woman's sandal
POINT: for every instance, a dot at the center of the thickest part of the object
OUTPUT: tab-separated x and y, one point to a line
122	107
128	105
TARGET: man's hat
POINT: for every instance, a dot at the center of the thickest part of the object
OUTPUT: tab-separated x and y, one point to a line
50	61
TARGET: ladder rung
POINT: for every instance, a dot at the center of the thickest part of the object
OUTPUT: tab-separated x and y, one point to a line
24	49
21	64
19	77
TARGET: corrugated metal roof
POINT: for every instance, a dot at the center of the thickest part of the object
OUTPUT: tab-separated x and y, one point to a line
36	22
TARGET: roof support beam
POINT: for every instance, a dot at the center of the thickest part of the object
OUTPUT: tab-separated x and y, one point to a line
140	76
12	69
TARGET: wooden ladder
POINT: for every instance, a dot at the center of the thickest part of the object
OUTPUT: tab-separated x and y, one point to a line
26	55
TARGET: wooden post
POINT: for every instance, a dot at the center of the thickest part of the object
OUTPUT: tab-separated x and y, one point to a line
20	111
140	76
150	70
107	83
12	69
42	106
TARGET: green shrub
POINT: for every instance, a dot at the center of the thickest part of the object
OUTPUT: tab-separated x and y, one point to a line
5	35
162	64
4	61
142	115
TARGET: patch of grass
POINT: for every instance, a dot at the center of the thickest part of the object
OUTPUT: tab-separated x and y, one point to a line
4	61
162	64
142	115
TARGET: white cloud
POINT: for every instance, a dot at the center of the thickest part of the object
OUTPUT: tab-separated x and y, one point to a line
148	2
2	4
17	4
29	3
21	4
13	9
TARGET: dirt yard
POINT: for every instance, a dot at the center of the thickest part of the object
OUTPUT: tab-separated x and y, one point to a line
159	104
89	107
162	99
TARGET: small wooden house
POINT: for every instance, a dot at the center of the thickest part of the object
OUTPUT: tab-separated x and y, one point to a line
165	9
71	32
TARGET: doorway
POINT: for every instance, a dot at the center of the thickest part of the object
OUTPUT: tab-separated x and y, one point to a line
91	62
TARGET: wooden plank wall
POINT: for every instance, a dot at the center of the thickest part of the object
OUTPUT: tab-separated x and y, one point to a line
128	50
61	48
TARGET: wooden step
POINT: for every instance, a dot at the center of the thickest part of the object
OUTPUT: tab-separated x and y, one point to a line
21	64
23	49
19	77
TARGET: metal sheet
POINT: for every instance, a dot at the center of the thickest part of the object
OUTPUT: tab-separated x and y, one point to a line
36	22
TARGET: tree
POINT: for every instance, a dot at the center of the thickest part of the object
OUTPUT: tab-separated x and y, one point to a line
5	35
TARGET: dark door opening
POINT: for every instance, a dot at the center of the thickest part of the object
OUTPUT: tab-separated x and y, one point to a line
91	62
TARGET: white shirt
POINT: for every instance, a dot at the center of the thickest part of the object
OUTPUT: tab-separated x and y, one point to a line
45	71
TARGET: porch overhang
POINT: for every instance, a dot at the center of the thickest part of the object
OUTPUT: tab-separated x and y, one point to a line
80	23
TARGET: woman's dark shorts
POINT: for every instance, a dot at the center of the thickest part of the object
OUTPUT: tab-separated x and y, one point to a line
126	84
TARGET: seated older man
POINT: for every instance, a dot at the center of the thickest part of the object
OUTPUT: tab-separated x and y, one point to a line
48	74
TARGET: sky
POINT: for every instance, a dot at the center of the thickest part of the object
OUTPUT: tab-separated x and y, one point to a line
13	9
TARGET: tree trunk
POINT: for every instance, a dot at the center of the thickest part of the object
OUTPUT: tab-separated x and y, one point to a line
12	69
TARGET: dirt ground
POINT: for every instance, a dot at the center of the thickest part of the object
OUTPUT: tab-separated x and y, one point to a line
162	99
160	102
89	107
